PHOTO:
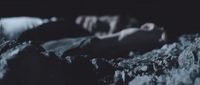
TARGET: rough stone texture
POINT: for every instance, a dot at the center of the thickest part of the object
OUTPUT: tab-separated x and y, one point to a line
173	64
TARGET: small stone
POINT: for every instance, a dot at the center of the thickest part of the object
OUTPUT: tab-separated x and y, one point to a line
197	81
144	68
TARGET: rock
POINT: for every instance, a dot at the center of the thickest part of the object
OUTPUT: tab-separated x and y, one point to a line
103	69
25	64
173	64
144	80
58	47
186	58
21	64
144	68
197	81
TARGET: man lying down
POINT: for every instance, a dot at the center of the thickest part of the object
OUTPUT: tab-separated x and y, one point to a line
87	35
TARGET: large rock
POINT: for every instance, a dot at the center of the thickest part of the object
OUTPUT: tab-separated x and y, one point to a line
173	64
29	64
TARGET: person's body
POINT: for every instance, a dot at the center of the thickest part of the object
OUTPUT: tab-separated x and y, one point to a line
108	44
145	38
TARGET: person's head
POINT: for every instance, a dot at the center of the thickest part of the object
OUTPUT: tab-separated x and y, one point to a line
155	28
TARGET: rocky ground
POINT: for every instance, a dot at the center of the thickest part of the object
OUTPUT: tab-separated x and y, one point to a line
175	63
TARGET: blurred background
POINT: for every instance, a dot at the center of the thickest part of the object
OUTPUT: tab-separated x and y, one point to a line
177	17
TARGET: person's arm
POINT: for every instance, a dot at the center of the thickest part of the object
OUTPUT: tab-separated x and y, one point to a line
13	27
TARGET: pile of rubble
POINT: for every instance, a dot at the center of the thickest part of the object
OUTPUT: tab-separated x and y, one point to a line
30	64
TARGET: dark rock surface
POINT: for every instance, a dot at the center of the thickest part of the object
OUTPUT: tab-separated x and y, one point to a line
173	64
